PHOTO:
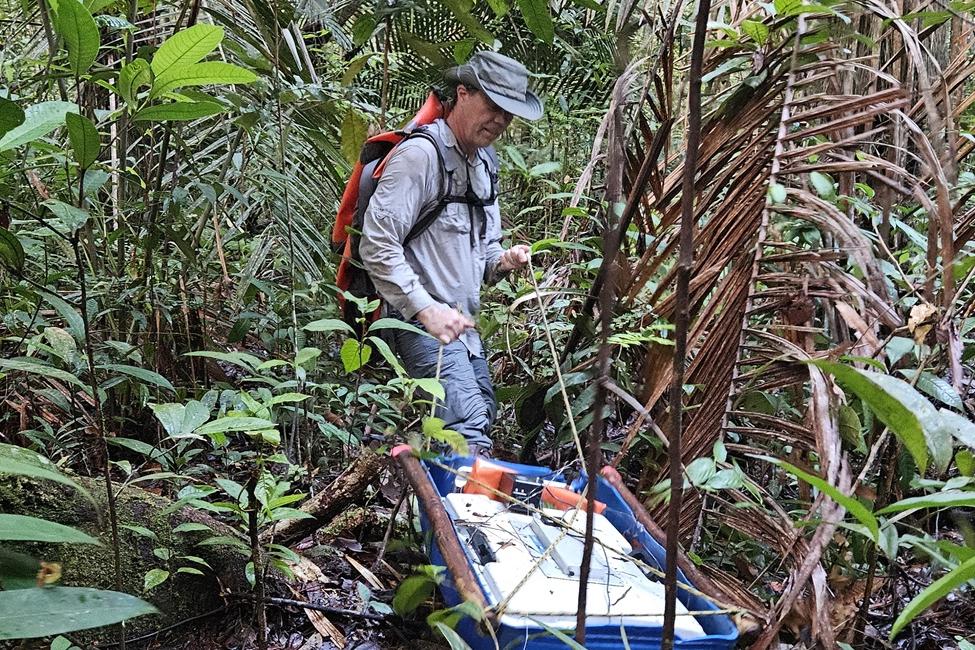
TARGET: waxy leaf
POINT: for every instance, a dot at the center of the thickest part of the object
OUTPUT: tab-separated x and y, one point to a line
178	112
83	137
134	75
39	612
200	74
80	33
39	120
11	251
538	18
186	47
31	529
11	116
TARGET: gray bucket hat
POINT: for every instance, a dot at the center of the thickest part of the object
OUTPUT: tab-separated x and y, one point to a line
502	79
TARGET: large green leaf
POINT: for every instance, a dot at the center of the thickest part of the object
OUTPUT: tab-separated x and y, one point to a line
186	47
11	115
71	217
141	374
354	133
35	368
11	250
538	18
39	120
329	325
24	462
397	324
854	507
133	76
226	424
465	18
899	406
933	593
181	420
33	613
354	354
31	529
209	73
178	112
958	426
80	33
949	499
83	137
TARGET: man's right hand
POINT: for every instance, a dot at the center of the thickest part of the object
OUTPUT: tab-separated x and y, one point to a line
444	323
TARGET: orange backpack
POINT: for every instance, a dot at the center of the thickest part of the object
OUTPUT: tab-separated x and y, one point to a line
351	276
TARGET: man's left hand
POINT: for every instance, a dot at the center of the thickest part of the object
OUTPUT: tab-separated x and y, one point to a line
515	258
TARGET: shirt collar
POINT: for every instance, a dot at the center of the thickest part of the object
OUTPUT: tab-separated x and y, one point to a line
450	142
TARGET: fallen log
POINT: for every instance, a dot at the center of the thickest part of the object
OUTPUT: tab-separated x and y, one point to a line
331	500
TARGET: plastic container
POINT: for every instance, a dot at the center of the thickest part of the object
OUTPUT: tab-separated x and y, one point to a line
720	631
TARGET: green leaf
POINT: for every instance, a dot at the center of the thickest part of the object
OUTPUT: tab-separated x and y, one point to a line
935	387
776	193
186	47
354	133
854	507
823	184
34	613
433	428
387	354
965	461
329	325
133	76
154	578
80	33
411	594
11	251
223	425
470	23
192	528
757	31
83	137
933	593
431	385
181	420
178	112
456	643
23	462
246	361
306	355
958	426
210	73
71	218
499	7
355	67
35	368
39	120
786	7
287	398
538	18
560	635
32	529
851	430
354	354
949	499
397	324
895	402
137	446
148	376
701	470
11	116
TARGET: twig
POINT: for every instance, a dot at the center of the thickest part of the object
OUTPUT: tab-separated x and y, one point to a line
684	264
152	635
389	529
252	507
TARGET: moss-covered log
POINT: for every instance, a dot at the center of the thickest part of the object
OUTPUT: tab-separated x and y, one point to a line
150	543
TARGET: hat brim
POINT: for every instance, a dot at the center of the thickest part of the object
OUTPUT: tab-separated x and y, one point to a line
530	109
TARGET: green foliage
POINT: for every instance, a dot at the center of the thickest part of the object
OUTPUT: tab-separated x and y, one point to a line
39	120
83	137
39	612
80	33
933	593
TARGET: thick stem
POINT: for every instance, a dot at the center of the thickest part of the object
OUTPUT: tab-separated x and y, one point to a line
684	265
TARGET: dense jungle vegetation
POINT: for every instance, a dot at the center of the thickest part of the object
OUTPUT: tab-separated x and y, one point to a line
192	439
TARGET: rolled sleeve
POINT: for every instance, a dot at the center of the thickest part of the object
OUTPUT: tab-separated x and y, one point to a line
392	212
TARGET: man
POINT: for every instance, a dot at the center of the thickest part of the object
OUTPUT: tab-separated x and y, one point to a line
434	278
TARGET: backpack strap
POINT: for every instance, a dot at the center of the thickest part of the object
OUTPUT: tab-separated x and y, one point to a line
430	215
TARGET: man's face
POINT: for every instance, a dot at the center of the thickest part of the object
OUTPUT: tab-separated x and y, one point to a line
479	120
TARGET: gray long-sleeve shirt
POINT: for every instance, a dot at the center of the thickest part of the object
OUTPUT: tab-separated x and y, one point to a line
441	265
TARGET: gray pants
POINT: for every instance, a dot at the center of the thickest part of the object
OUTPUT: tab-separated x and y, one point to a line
470	406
